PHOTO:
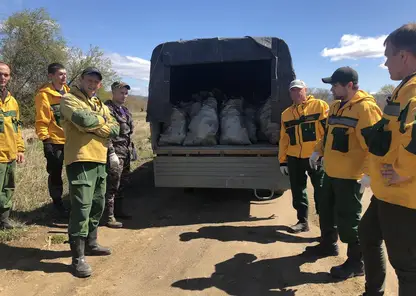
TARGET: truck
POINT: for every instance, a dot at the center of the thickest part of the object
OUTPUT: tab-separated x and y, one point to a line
245	65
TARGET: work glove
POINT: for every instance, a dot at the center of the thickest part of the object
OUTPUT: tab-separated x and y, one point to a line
315	160
114	161
365	182
284	169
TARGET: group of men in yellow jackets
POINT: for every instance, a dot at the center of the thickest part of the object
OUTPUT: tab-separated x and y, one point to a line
76	129
352	145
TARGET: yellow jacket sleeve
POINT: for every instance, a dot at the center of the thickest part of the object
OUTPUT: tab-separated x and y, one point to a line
43	116
406	157
368	117
83	119
322	120
111	128
322	128
283	144
20	142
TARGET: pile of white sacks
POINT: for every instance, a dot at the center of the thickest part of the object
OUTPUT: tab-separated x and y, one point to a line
211	118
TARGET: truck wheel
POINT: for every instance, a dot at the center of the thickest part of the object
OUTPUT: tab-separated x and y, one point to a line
189	190
279	192
268	194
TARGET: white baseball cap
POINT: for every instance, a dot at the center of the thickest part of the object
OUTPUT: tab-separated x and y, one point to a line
297	83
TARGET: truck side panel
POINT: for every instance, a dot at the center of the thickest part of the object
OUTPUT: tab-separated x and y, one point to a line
219	172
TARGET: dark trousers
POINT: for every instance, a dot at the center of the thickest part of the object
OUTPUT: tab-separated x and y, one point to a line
54	154
298	167
340	210
396	226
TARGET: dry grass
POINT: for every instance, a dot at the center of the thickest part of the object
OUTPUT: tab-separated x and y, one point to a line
31	193
31	177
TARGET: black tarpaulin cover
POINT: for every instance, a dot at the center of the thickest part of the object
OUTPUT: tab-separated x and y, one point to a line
218	50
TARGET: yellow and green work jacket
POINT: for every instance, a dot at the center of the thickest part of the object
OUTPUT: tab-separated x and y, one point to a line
344	146
394	142
301	128
11	140
88	125
48	114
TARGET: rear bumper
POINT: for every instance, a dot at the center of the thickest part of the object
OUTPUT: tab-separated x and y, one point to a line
222	171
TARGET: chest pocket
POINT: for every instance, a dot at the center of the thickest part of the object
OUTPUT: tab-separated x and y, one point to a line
291	131
308	131
15	124
2	125
340	139
379	140
56	110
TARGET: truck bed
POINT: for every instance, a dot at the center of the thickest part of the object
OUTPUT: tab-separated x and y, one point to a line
221	166
218	150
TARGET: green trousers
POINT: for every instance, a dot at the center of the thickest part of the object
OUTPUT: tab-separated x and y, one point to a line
298	167
394	225
7	183
340	210
87	185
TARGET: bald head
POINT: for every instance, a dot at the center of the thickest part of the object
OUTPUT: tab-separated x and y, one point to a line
4	75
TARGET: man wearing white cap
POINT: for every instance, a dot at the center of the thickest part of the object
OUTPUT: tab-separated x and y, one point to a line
302	127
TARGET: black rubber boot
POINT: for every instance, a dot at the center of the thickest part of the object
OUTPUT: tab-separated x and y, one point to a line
118	210
322	250
109	219
299	227
5	223
80	267
354	266
60	208
92	248
302	225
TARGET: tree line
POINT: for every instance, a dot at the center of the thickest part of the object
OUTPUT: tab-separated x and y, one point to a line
30	40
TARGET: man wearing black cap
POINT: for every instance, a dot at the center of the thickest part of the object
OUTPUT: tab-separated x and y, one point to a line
345	152
120	153
88	125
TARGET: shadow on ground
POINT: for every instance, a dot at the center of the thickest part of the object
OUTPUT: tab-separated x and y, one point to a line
160	207
257	234
243	275
31	259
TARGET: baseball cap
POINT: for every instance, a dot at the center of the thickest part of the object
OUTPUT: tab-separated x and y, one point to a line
297	83
342	75
120	84
92	70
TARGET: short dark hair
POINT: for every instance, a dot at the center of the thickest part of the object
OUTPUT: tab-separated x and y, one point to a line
52	68
355	86
403	38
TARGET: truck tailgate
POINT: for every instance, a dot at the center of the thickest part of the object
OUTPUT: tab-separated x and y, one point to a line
222	171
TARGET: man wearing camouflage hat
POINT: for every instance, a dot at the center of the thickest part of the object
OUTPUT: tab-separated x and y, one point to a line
120	153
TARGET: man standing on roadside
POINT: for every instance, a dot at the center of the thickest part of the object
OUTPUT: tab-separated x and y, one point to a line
345	153
11	146
120	151
391	215
302	127
50	132
88	125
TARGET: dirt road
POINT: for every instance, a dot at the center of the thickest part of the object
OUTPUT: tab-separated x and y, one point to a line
209	242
